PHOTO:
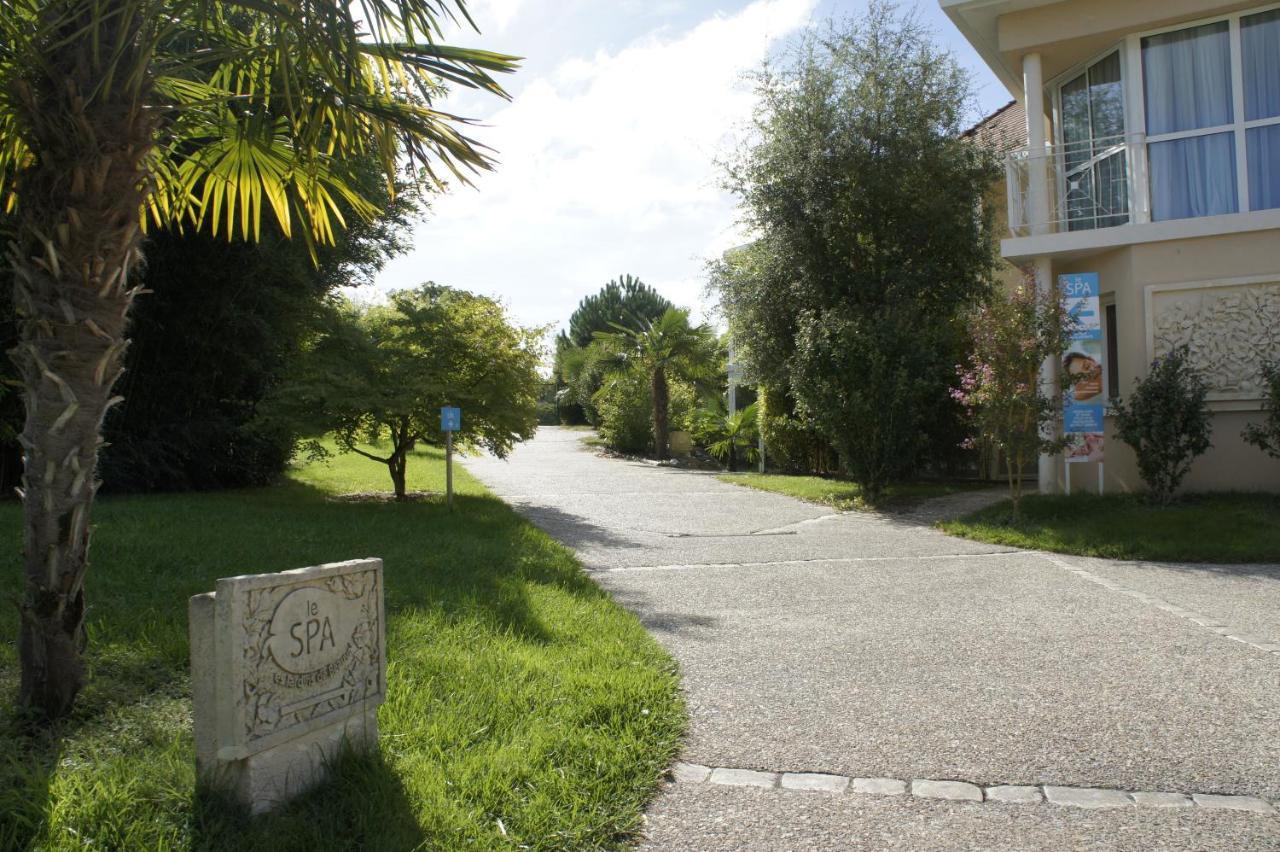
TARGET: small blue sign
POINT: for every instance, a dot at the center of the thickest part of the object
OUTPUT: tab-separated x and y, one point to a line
450	419
1082	285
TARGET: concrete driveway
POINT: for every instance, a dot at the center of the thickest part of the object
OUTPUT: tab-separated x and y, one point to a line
836	664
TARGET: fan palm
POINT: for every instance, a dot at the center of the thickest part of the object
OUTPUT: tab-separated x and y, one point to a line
730	436
662	348
117	116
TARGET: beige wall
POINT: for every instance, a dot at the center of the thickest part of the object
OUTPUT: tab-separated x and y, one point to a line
1124	276
1068	33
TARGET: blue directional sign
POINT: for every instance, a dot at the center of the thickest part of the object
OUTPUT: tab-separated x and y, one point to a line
450	419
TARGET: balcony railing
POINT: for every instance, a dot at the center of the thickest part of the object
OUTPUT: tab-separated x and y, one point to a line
1098	183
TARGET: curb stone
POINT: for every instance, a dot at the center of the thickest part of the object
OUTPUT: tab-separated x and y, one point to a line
964	791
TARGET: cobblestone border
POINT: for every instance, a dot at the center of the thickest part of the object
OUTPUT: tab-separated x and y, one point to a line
963	791
1210	624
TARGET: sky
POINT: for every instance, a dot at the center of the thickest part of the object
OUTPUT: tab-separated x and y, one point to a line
607	150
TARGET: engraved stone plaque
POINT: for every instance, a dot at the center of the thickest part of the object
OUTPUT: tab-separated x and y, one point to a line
285	669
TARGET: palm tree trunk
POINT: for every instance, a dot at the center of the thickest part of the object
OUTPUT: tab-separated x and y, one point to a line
77	242
661	405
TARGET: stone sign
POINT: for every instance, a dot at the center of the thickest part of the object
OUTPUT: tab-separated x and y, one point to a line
286	669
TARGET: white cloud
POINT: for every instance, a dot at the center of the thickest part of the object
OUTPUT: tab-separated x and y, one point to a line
606	168
494	15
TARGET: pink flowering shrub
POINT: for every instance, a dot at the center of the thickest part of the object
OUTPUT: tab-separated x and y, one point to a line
999	387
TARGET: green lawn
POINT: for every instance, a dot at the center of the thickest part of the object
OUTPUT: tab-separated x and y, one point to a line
1198	528
525	708
844	495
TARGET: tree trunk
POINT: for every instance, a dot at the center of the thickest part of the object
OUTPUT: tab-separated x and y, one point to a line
661	404
76	244
397	466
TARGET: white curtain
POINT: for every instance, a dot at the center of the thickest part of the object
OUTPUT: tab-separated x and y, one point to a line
1260	39
1264	167
1187	82
1187	78
1193	177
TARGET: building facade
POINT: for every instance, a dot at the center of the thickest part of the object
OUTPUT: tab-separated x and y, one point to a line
1151	157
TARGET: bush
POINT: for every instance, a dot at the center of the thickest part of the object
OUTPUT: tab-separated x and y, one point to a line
625	413
1167	422
1000	386
1266	435
624	406
868	382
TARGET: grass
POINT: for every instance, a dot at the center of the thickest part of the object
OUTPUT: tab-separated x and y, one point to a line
845	495
524	708
1198	528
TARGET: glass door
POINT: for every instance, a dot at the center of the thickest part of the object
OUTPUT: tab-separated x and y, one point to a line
1093	164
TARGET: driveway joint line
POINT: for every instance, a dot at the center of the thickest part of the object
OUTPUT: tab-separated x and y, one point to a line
686	566
1208	623
693	774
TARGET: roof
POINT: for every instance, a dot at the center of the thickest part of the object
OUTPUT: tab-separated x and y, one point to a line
977	21
1002	131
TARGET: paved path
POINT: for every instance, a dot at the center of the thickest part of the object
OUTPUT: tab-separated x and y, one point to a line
860	646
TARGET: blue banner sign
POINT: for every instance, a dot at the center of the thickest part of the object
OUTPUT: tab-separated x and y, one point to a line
1084	401
450	419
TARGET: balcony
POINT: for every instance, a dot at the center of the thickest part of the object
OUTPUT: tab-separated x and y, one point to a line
1100	183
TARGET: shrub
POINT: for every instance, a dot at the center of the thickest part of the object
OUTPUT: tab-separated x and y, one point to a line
727	437
625	413
1266	435
1000	386
1167	422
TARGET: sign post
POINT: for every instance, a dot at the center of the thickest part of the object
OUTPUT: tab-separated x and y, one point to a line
450	422
1083	407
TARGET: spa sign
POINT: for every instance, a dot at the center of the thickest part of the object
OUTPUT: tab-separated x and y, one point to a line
1084	403
296	650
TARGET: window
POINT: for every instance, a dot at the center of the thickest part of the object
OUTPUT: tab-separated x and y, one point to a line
1260	46
1096	173
1199	126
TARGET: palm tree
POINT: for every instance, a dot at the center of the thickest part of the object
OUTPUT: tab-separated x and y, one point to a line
732	436
662	348
130	114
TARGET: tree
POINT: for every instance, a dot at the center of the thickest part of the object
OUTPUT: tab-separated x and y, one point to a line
1167	422
625	300
179	111
871	238
1000	385
1266	435
380	375
661	349
728	437
240	311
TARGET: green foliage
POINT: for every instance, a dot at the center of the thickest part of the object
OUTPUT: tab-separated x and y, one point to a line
384	372
516	689
792	445
662	351
871	386
1266	435
213	339
625	409
1167	422
873	238
727	437
258	107
625	301
1000	384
